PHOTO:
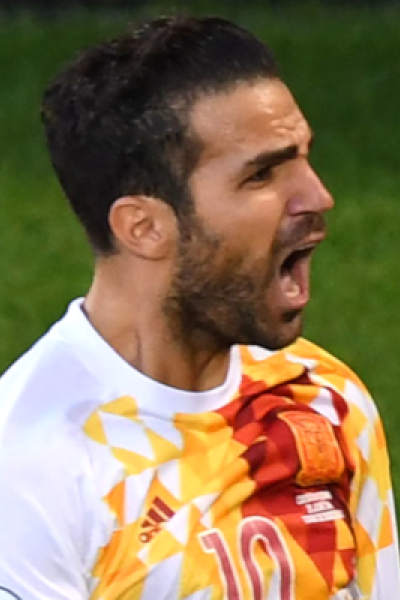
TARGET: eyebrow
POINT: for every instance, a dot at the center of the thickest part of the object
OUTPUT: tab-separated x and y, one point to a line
273	158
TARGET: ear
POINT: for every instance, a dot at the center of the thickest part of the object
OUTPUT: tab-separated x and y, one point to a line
144	226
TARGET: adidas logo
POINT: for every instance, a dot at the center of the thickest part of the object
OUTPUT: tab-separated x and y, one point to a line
158	514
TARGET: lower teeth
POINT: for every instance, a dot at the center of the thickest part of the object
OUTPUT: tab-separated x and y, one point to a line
294	292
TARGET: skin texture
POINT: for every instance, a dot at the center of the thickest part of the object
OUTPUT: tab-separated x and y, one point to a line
178	294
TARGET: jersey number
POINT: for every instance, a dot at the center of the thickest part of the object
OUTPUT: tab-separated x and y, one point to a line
251	530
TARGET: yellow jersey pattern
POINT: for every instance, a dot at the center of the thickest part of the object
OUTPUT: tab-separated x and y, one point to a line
281	493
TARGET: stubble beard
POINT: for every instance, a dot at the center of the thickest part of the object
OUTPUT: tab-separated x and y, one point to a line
216	300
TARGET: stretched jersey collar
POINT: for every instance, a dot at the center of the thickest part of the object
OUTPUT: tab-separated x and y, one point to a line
118	378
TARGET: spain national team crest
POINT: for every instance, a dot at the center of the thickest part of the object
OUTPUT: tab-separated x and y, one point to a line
321	458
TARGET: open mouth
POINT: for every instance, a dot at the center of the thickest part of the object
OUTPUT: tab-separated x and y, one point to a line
295	274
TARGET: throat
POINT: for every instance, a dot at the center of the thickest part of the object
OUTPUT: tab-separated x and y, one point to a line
182	370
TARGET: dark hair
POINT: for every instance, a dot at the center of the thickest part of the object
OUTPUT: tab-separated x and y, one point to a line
117	117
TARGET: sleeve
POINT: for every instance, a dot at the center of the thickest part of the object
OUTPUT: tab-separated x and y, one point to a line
372	504
41	524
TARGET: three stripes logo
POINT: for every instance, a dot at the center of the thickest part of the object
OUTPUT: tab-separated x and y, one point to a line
158	514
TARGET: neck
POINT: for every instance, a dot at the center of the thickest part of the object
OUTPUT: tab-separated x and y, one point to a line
140	333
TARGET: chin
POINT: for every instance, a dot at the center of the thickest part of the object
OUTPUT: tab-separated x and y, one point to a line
295	331
287	332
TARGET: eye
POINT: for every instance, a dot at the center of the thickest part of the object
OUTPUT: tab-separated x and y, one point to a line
262	174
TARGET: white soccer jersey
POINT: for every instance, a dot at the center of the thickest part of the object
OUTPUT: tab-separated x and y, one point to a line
273	486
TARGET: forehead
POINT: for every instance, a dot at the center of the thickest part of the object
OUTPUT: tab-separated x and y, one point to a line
251	118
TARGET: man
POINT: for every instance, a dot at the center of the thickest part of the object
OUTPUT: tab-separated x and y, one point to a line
172	437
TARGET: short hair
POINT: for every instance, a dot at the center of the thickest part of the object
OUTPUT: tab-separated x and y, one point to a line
117	118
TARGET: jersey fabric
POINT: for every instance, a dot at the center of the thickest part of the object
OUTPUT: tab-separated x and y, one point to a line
273	486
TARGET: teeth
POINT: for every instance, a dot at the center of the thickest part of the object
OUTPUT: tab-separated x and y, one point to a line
305	247
294	291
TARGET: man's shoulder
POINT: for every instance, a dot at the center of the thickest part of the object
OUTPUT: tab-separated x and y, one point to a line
302	352
313	365
44	388
310	375
324	363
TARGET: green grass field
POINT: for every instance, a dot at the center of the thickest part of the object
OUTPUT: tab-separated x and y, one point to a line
344	69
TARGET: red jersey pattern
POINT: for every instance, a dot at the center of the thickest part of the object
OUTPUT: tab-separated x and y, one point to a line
265	497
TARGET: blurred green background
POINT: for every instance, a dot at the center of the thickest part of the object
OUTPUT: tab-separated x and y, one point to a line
343	65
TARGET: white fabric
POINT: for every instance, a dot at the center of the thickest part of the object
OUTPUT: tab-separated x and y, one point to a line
52	519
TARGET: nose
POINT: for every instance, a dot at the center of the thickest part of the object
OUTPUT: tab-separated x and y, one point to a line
310	195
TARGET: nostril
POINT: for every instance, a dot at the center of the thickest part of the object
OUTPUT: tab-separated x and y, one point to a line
297	205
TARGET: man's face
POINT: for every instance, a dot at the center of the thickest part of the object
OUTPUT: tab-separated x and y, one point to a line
243	266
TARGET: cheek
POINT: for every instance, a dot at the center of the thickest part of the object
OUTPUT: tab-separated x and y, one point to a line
260	224
247	220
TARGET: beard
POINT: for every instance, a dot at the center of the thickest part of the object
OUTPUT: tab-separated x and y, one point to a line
218	298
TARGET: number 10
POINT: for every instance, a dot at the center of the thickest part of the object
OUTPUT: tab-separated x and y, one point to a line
251	530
